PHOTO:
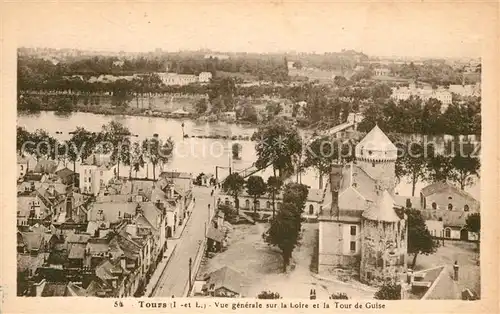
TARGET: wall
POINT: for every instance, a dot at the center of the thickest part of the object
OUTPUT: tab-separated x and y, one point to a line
331	246
379	240
382	171
458	201
263	201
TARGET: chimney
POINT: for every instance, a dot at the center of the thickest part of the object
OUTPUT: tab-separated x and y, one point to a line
335	180
123	262
51	189
69	207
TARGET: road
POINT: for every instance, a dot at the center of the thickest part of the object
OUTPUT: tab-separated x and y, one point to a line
175	278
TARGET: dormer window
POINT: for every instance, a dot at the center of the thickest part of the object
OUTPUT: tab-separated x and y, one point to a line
370	152
450	198
450	206
434	205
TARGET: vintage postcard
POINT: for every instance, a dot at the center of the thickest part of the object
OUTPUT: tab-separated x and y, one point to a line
249	156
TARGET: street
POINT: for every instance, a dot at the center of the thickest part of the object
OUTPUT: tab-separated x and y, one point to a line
175	278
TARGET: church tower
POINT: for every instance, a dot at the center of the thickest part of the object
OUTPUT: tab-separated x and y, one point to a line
377	155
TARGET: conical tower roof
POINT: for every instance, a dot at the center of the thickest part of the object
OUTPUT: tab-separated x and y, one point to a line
377	140
376	145
382	209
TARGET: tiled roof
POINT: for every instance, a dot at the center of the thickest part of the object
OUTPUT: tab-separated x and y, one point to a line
107	270
112	211
215	234
64	172
175	174
382	209
445	187
450	218
28	261
78	238
54	290
228	278
45	166
77	250
32	240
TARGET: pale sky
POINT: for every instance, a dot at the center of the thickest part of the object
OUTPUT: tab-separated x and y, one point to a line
383	29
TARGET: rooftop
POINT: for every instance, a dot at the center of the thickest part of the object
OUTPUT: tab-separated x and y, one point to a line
376	140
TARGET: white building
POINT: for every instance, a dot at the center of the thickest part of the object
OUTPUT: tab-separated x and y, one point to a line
95	174
177	79
466	90
404	93
204	77
382	72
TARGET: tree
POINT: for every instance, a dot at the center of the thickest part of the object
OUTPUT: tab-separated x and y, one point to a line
296	194
233	185
284	232
274	185
22	136
137	158
278	144
45	145
440	168
419	238
413	164
230	214
201	106
320	154
473	224
81	145
389	292
64	105
256	187
464	168
117	135
157	152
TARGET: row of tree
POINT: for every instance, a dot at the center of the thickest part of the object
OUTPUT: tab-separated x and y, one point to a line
114	139
412	116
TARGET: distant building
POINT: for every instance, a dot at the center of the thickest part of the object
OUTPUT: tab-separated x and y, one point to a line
466	90
217	56
177	79
204	77
404	93
382	72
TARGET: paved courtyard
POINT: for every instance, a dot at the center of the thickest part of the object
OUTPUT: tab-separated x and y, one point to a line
262	265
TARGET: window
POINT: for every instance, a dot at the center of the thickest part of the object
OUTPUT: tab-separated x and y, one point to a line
450	206
247	204
447	233
353	230
268	205
353	246
373	164
466	208
449	197
311	209
434	205
22	167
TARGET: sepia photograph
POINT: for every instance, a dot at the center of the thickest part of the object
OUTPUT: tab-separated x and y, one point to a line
322	151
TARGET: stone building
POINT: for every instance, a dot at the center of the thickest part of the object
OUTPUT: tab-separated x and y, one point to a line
364	234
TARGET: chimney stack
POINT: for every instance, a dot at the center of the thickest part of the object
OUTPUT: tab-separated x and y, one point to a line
335	180
69	207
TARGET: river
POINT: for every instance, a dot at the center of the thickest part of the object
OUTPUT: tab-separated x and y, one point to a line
193	155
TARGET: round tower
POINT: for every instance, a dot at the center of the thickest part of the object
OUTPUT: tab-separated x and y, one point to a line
383	242
377	155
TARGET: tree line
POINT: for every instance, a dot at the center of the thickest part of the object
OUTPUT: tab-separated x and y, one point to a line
114	139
